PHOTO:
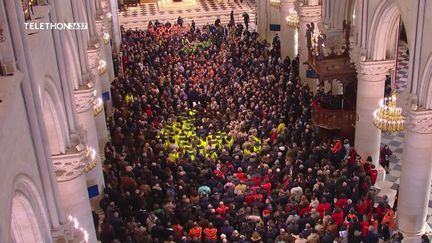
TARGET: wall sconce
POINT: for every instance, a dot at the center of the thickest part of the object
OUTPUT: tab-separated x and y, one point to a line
109	16
90	156
76	225
102	67
97	106
106	38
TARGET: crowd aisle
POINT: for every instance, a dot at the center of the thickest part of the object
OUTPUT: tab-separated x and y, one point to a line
212	142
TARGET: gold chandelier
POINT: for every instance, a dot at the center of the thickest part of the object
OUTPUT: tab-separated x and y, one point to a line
292	19
388	117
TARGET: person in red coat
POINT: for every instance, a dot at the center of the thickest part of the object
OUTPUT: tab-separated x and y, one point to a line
338	216
222	209
341	202
267	186
323	207
195	232
364	225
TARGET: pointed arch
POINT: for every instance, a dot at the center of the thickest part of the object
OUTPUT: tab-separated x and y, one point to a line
382	30
425	97
55	118
29	221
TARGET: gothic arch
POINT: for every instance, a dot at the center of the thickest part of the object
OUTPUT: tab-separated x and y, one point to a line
29	221
73	59
425	97
383	31
55	118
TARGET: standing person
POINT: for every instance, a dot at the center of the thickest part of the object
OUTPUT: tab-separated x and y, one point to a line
193	25
425	239
246	20
180	21
232	21
385	157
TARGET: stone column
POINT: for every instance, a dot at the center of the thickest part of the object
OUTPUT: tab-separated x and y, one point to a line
91	18
263	9
370	90
70	170
105	52
288	35
115	24
307	15
102	80
85	104
81	43
416	174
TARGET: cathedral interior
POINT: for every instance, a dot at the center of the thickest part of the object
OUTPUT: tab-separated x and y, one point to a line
215	121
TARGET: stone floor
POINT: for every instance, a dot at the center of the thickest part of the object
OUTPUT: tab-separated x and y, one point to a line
207	11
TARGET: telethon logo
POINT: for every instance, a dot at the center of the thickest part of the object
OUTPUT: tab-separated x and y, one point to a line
56	26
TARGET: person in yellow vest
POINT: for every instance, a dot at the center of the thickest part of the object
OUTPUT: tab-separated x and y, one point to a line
281	127
128	98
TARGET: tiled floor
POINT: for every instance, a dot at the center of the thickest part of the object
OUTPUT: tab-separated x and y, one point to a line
152	9
205	12
395	141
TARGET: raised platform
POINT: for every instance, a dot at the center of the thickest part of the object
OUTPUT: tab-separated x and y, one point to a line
177	5
206	12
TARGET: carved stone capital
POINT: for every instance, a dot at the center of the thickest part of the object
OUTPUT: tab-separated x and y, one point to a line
84	97
100	27
419	121
374	71
94	55
309	13
70	165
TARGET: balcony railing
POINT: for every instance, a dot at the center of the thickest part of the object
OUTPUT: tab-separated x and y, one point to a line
332	119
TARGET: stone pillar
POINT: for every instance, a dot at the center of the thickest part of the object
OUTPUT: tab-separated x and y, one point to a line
288	35
91	18
85	104
307	15
98	70
105	52
115	24
263	9
416	174
71	178
81	43
370	90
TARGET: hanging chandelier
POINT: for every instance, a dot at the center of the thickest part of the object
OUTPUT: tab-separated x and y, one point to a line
388	117
293	19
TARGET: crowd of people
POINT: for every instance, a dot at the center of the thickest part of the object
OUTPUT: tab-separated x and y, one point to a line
215	144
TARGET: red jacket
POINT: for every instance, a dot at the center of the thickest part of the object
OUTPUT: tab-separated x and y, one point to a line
304	210
341	202
267	187
322	208
338	218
